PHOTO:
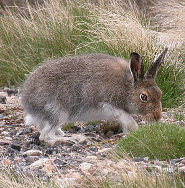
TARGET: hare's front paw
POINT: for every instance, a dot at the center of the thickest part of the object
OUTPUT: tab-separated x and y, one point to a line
127	122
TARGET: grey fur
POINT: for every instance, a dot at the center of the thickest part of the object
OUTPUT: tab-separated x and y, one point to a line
85	88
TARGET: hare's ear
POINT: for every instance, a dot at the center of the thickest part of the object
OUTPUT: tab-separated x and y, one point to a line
154	67
136	66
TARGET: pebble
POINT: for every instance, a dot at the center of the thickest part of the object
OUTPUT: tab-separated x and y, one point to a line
6	162
5	133
85	166
32	153
5	142
2	99
40	162
183	161
91	158
182	170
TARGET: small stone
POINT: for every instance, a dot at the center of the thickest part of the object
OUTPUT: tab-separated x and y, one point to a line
24	131
2	99
16	146
183	161
30	159
5	142
138	159
105	172
182	169
2	123
32	153
74	129
5	133
39	163
109	134
93	148
8	138
175	161
10	92
75	148
146	159
91	158
85	166
6	162
104	150
89	128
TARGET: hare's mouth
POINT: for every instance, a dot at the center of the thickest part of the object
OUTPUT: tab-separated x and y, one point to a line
152	117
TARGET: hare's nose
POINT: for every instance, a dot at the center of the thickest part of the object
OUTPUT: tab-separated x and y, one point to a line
157	116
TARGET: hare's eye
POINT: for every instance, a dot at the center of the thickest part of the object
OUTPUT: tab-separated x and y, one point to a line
144	97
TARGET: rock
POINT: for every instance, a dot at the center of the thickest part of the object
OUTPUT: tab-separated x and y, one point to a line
75	148
32	152
30	159
104	150
16	146
93	148
2	123
5	142
2	99
89	128
109	134
85	166
146	159
183	161
74	129
6	162
182	170
24	131
91	158
138	159
40	162
10	92
175	161
8	138
5	133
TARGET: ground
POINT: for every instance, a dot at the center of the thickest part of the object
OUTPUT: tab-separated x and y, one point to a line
21	150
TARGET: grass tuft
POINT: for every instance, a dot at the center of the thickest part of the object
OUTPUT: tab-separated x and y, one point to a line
161	141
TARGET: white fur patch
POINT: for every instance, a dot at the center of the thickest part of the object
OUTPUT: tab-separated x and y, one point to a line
29	120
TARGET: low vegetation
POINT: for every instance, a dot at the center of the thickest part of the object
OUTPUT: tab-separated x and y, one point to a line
156	141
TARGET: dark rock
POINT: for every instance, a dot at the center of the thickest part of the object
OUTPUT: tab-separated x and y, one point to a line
89	128
74	129
5	142
138	159
109	134
24	131
75	148
60	162
10	92
31	159
175	161
16	146
2	99
93	148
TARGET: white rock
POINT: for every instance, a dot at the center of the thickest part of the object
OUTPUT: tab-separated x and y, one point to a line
85	166
5	133
8	138
40	162
104	150
91	158
32	152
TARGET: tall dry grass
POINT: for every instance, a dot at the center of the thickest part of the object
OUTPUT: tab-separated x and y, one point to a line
56	29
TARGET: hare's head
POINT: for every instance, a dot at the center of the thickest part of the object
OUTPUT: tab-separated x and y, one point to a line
145	96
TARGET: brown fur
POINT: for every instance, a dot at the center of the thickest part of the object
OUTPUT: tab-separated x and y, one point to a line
89	87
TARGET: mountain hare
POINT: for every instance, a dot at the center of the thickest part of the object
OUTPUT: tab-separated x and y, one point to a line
90	87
